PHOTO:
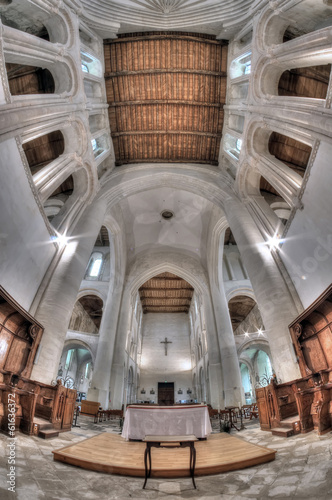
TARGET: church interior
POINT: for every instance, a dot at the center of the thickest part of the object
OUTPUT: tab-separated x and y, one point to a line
166	237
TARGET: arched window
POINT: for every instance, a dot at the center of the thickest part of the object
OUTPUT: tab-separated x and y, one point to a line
94	266
85	69
91	64
69	359
87	371
241	66
232	145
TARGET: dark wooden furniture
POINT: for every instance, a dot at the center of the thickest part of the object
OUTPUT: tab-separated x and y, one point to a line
170	442
89	407
39	408
165	393
304	404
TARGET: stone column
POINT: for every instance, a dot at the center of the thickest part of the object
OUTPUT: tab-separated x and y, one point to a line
274	299
233	391
60	292
216	378
100	384
119	356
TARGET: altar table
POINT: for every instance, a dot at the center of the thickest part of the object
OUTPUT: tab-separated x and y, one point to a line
141	421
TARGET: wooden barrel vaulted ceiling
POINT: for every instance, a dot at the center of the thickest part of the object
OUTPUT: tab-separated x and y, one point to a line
166	293
166	93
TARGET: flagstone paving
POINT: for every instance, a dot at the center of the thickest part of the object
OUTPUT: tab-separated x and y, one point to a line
302	470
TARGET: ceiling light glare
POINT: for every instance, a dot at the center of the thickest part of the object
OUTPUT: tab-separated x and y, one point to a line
273	242
61	239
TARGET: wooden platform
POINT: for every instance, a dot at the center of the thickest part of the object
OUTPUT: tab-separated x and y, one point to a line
111	453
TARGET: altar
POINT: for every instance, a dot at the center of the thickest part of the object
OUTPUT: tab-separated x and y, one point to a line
141	421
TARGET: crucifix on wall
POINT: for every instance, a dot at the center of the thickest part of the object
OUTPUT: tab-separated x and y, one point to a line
166	342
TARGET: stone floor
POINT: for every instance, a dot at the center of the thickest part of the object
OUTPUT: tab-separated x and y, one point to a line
302	470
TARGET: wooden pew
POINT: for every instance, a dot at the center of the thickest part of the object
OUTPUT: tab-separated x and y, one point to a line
306	403
37	405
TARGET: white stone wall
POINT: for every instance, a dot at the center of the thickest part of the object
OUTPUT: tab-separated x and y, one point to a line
155	366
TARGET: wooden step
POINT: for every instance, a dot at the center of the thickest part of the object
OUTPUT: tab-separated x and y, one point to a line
289	421
48	433
282	431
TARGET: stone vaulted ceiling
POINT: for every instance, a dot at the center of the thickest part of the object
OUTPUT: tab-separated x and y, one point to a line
166	93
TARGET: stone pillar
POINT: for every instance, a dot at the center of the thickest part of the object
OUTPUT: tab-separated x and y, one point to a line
274	299
60	292
229	268
216	379
100	384
119	357
233	392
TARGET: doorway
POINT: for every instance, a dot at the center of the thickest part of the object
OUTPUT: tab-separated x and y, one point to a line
165	393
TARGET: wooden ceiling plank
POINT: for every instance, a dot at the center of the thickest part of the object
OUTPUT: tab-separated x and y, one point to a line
169	132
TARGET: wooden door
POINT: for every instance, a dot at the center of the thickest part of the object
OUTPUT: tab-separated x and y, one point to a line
165	393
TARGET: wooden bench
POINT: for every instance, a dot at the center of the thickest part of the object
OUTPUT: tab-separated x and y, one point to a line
170	442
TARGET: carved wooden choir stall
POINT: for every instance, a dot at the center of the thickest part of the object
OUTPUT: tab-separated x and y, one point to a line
306	403
39	408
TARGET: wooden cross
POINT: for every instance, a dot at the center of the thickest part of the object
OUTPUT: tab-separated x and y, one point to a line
166	342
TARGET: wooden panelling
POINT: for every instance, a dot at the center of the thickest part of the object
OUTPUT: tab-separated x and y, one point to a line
311	334
166	94
20	335
307	400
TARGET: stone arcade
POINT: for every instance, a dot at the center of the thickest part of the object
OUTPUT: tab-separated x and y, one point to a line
166	177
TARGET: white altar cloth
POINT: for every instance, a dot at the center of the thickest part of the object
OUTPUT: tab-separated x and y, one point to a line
141	421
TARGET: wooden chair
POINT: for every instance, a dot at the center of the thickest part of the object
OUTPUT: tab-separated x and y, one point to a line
253	412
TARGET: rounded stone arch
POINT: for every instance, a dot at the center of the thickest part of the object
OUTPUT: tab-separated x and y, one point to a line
258	136
78	344
116	250
251	380
238	291
87	292
84	181
271	28
202	181
197	280
91	291
257	342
